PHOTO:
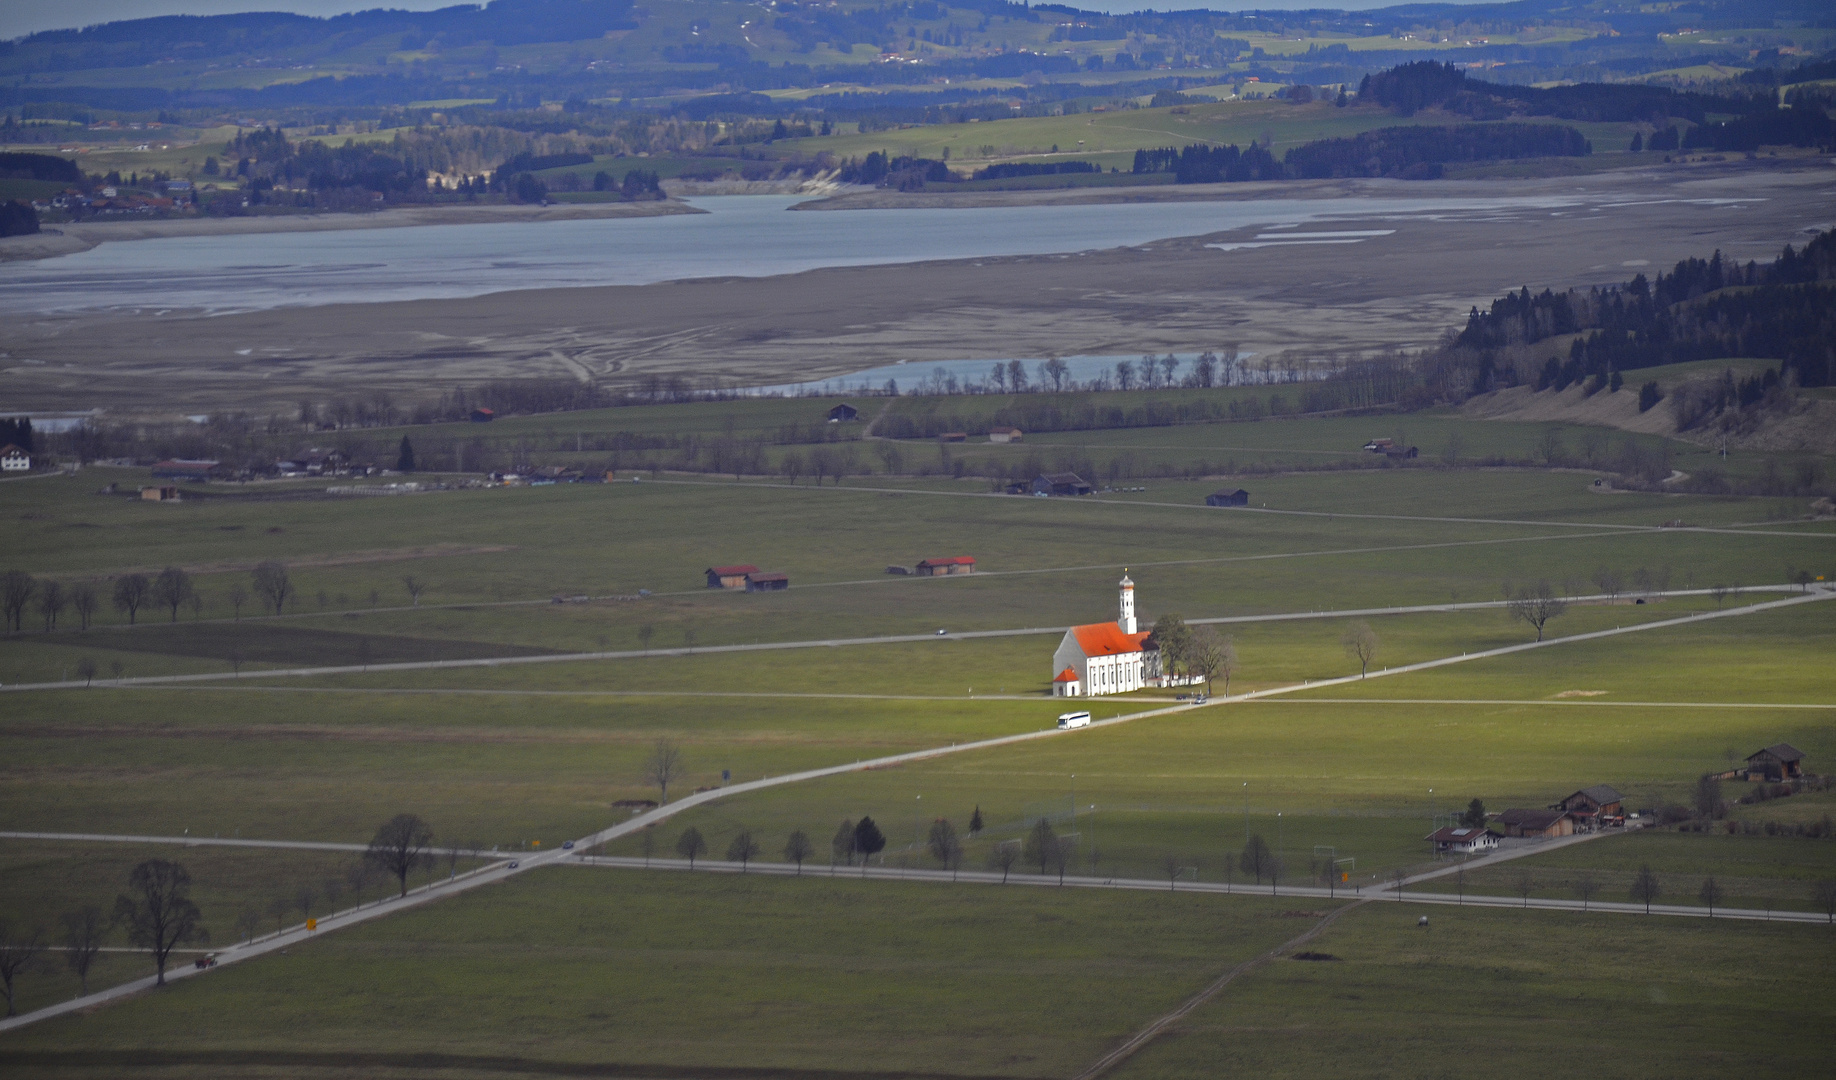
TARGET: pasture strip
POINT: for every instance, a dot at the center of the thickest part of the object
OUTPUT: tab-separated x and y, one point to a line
899	639
1149	1033
498	871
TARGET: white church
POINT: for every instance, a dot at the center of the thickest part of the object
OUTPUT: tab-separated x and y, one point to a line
1111	657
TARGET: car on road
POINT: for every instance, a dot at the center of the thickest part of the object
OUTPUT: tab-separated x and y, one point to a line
941	633
513	865
567	845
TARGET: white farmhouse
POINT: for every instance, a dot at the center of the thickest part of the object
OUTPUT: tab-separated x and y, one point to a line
1109	658
15	459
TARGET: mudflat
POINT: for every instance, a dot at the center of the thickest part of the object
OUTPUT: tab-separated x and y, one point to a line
1360	283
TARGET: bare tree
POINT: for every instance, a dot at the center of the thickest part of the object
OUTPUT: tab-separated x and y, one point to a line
1645	887
664	765
273	585
1523	884
1041	845
303	898
645	633
691	844
19	950
131	592
86	669
399	847
247	923
1707	799
798	848
1823	894
743	849
1720	593
1360	643
332	888
944	845
158	911
1710	893
84	602
1536	604
1256	859
16	588
1209	654
84	929
279	907
647	843
415	587
1170	866
172	588
52	599
1609	582
841	846
1585	886
238	596
1002	857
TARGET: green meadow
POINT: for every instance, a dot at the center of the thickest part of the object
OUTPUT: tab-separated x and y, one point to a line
1490	993
561	967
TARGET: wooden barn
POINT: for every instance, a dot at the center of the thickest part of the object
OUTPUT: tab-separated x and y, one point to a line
730	577
1238	497
1776	764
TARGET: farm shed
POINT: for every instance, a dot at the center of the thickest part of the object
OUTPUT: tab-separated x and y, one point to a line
1005	435
757	582
1221	497
843	413
1064	483
1593	807
956	564
1540	824
1776	763
729	577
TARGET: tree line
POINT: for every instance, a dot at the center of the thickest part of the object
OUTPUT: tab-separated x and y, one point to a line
1703	309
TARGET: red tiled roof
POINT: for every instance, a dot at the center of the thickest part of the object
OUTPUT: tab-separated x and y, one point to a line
1067	675
954	560
1106	639
733	571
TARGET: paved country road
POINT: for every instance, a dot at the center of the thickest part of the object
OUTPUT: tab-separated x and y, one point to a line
500	870
896	639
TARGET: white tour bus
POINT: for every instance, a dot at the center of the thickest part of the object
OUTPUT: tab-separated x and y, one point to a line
1074	719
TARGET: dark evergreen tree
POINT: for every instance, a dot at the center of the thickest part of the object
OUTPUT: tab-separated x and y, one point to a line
868	840
404	458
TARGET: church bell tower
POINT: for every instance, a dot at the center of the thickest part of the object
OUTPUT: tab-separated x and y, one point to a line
1126	618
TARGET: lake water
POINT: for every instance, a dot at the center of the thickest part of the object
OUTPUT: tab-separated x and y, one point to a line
747	235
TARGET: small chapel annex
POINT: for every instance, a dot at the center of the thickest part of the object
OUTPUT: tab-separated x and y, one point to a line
1110	657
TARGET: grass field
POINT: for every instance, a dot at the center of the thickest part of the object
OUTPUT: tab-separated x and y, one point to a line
971	981
835	976
1509	994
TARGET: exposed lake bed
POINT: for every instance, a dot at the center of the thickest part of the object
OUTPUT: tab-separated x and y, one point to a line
1094	281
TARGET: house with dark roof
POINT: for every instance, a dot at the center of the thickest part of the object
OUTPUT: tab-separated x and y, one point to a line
15	458
1062	483
191	469
761	582
730	577
955	564
1462	840
1594	807
1776	763
1537	824
1222	497
843	413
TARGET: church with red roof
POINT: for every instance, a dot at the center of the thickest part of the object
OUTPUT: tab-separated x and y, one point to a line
1108	657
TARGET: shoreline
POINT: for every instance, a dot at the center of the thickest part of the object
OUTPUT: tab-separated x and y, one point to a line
84	236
